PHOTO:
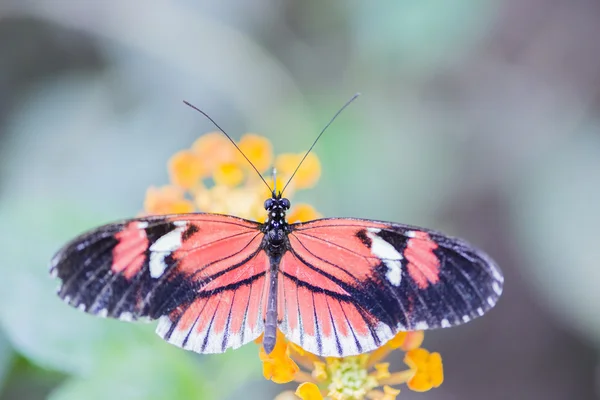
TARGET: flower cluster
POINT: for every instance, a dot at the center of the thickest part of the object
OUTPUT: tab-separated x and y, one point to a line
212	176
357	377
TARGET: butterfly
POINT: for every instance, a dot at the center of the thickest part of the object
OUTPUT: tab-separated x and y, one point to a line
334	286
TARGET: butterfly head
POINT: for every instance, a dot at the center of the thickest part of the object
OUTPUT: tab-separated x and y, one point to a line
276	206
276	202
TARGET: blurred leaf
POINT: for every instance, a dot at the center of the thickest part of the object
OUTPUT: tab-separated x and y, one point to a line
6	358
226	372
29	381
140	372
557	215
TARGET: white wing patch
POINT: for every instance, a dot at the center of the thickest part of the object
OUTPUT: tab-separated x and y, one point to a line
421	326
162	248
126	316
388	254
497	288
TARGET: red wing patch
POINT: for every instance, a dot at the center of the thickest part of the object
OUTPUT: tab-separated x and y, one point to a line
359	282
128	255
423	265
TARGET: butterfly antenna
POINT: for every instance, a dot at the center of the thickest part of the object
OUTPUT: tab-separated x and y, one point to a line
230	139
318	137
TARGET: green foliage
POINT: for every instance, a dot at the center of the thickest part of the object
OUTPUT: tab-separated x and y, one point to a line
6	358
139	372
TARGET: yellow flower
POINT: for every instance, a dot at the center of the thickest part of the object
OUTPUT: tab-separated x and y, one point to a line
359	377
413	340
407	340
309	391
427	367
228	174
397	341
390	393
214	149
382	371
185	169
258	149
302	213
278	366
212	177
350	379
320	371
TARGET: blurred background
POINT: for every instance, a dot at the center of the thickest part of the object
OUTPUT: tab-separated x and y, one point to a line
478	118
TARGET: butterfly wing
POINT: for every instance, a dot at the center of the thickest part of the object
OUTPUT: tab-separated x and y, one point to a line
350	285
202	275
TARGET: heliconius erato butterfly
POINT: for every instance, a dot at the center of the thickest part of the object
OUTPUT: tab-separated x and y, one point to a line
334	286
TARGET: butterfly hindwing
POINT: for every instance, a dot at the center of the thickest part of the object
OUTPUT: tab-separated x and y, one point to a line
202	274
359	282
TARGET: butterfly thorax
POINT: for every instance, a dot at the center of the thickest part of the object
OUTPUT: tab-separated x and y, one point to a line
275	226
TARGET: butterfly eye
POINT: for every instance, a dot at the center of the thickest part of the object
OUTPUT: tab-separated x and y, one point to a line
285	203
268	204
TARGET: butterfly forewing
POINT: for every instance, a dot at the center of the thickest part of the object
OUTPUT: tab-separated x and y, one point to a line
202	274
357	283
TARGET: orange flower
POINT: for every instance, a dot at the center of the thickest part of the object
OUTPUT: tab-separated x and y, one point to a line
407	340
258	149
235	188
302	213
167	200
228	174
390	393
357	377
427	368
278	366
214	149
413	340
309	391
185	169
